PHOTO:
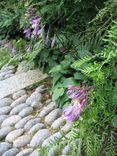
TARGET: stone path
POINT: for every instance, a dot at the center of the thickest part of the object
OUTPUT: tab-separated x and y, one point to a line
27	121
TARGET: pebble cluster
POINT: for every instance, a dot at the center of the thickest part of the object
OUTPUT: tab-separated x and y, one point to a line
27	123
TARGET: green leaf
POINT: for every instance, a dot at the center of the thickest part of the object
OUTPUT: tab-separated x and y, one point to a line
56	69
69	81
56	77
79	76
114	121
58	92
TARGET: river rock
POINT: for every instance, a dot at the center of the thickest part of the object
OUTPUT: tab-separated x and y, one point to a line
40	89
31	123
36	127
6	68
14	135
11	152
67	149
26	111
22	141
25	152
52	139
47	109
67	127
19	94
20	100
4	146
39	137
4	131
37	104
5	102
58	123
17	109
4	73
8	75
34	153
5	110
53	151
34	97
2	118
23	121
10	121
52	116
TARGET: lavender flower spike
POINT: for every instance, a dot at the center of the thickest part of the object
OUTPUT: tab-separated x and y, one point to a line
47	38
53	41
72	113
27	32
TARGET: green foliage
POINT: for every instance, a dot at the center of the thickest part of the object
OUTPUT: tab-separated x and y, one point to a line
99	137
4	56
10	15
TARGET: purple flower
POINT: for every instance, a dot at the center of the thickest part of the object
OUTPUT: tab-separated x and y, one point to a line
79	96
27	31
53	41
47	38
35	22
72	113
38	32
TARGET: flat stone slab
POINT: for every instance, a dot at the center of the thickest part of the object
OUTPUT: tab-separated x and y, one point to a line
20	81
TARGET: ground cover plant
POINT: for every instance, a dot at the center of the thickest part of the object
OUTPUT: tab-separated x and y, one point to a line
76	43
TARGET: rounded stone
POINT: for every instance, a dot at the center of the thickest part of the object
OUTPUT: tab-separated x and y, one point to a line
22	141
10	121
67	127
52	139
26	111
36	127
47	109
5	102
20	100
11	152
8	75
18	94
34	153
34	97
53	151
52	116
67	149
4	73
40	89
58	123
37	104
5	68
31	123
25	152
17	109
2	118
4	131
39	137
23	121
14	135
5	110
4	146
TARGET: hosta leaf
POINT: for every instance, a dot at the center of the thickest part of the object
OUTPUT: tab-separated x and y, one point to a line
56	69
57	93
